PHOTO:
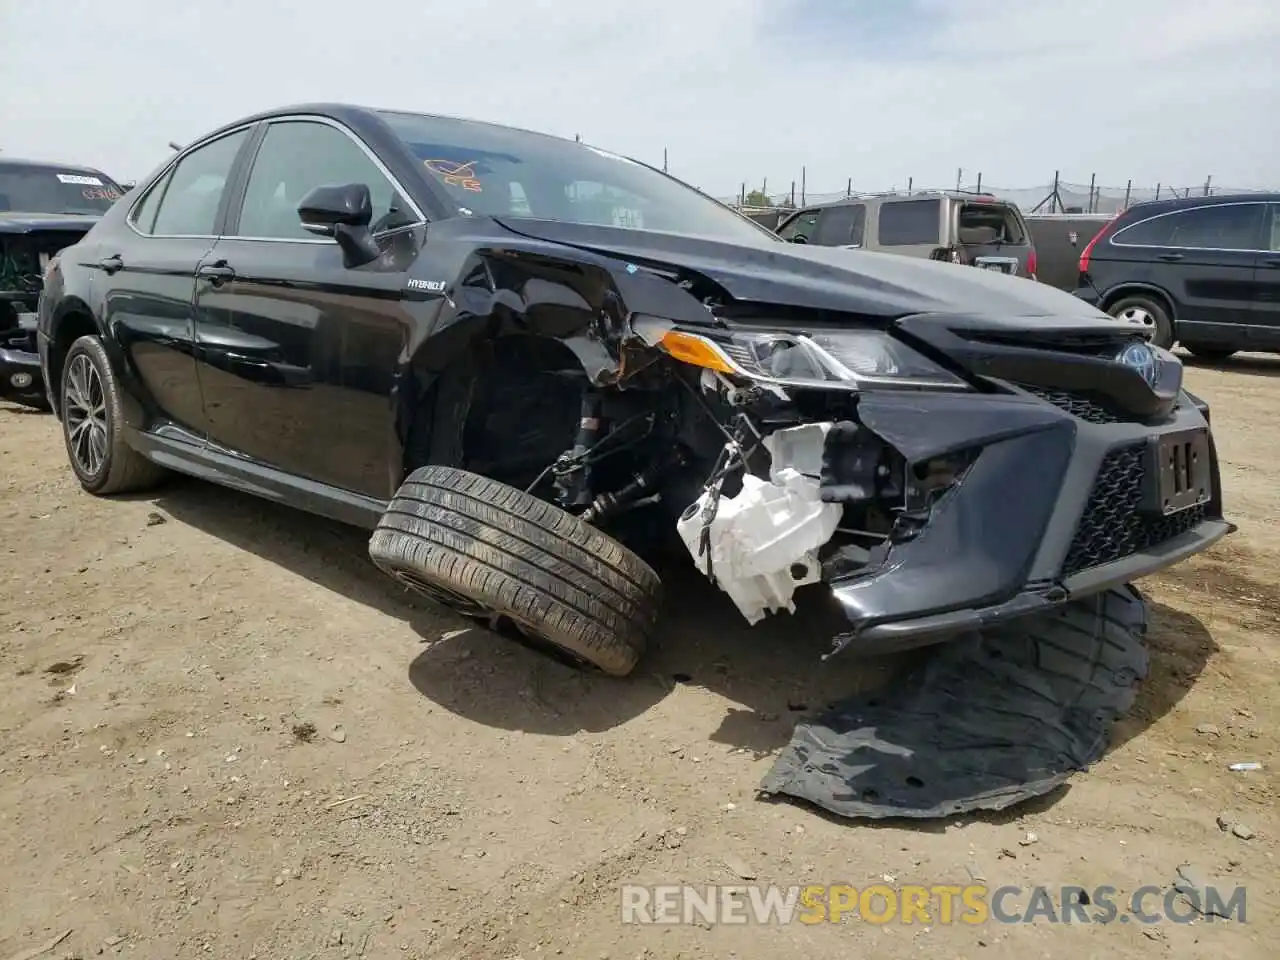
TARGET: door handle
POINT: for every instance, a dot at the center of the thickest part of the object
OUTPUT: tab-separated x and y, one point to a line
1171	257
216	273
111	264
1271	262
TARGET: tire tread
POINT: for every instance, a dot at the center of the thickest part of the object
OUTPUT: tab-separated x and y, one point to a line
510	551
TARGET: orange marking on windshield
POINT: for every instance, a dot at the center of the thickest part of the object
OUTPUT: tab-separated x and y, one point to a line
456	174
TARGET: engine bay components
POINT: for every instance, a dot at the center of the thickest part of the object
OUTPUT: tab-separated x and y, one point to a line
762	543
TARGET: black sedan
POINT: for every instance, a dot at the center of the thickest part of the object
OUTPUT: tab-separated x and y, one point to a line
507	353
43	208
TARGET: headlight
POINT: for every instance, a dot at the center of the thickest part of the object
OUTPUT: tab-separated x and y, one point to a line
845	359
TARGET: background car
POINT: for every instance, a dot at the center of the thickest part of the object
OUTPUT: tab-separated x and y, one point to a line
975	229
44	207
1201	271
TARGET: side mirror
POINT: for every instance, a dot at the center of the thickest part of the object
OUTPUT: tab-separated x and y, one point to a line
342	212
325	208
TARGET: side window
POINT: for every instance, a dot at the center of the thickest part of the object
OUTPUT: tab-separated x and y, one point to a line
1156	232
909	222
1275	227
803	224
841	225
1236	226
143	216
295	157
189	203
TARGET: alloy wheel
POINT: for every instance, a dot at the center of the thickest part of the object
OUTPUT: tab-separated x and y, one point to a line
85	413
1136	314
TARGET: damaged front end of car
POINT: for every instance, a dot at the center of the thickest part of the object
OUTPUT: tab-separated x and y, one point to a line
800	426
27	249
939	476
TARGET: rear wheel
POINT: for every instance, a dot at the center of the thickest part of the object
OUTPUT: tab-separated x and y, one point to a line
1147	312
1211	354
495	553
92	425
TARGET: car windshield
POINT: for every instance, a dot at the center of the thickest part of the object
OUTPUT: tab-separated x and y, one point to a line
489	170
36	188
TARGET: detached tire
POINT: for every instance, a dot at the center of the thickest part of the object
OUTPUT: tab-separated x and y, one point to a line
484	548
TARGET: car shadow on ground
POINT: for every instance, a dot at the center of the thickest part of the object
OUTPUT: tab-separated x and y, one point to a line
11	406
1179	647
1246	364
772	674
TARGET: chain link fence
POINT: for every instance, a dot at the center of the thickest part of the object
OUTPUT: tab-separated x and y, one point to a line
1057	196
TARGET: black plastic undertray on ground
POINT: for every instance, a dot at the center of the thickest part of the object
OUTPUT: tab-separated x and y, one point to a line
988	720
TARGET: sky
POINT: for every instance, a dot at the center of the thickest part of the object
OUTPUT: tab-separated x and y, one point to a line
735	91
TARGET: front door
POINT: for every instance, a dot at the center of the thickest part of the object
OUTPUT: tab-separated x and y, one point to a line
298	352
841	225
153	266
911	227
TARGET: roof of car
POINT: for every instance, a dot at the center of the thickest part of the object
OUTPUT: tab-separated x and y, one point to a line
346	111
13	162
1186	203
915	195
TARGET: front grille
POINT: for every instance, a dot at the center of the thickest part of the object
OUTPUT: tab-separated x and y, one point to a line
1079	405
1113	525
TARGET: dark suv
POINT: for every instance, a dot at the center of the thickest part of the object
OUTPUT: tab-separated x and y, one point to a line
1201	271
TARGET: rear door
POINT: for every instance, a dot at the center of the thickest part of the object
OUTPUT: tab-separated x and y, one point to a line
298	352
149	277
1267	282
912	228
1206	258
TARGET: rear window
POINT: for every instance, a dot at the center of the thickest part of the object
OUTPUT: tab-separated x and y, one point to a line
489	170
35	188
907	222
995	223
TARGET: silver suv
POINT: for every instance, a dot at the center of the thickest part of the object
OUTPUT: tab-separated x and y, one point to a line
970	228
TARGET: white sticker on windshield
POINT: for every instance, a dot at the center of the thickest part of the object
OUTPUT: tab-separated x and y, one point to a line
79	179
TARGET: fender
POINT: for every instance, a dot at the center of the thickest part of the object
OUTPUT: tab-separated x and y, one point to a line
523	296
1128	286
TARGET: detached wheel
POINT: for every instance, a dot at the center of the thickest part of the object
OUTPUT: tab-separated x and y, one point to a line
1149	313
489	551
92	425
1209	354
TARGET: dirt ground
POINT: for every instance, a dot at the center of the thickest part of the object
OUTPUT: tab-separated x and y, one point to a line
224	734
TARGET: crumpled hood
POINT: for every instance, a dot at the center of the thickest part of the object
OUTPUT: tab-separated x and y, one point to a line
18	222
877	285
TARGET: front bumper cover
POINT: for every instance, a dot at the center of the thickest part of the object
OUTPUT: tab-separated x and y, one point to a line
1042	517
21	379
